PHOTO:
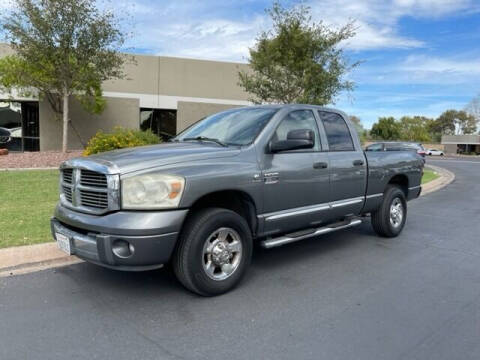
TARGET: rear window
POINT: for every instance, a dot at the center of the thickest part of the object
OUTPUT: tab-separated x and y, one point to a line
338	134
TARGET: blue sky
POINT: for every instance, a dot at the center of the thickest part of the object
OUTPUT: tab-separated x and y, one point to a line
420	57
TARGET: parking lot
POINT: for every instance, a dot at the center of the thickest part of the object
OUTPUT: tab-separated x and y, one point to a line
346	295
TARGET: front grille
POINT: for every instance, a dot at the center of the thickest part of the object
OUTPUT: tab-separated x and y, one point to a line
94	199
88	190
92	178
67	191
67	175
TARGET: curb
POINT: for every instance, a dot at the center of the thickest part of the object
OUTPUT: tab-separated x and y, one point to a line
30	258
25	259
26	169
446	177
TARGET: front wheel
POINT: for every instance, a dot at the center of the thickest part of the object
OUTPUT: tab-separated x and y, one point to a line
214	251
390	217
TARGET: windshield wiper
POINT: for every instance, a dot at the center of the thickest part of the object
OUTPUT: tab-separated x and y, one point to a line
204	138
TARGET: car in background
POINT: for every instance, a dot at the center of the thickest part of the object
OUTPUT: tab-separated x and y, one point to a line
397	146
434	152
5	135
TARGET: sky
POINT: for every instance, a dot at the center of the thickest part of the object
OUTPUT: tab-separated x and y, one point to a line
419	57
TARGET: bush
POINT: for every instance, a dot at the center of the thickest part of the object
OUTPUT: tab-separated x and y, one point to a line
120	138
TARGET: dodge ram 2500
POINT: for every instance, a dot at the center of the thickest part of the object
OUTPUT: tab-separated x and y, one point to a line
266	175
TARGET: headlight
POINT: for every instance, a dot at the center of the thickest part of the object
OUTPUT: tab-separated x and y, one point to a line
152	191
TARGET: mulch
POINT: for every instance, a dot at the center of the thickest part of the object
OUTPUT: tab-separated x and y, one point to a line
42	159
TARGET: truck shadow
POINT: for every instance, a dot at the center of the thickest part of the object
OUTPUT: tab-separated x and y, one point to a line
138	286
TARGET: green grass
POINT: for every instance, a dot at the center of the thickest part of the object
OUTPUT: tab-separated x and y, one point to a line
27	201
429	175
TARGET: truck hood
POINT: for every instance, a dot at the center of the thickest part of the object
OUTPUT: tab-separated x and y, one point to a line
144	157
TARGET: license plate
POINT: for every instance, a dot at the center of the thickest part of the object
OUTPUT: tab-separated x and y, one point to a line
63	243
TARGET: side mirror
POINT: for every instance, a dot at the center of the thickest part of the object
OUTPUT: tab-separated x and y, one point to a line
296	139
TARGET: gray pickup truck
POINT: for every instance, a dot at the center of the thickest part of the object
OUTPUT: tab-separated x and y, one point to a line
266	175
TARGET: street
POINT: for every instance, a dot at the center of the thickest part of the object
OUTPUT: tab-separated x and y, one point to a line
345	295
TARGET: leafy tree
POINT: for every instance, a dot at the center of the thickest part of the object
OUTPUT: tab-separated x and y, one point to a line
298	61
386	129
473	108
414	128
362	133
452	121
62	48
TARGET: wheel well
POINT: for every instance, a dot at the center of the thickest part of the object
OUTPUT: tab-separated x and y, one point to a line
234	200
401	181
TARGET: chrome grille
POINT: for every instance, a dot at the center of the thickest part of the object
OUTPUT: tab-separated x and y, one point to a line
92	178
94	199
67	191
89	191
67	175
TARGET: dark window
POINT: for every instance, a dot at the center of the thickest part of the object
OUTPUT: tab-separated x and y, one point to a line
298	120
161	122
338	135
375	147
19	126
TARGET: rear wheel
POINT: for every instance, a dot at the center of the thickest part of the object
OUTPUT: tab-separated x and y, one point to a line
389	219
214	251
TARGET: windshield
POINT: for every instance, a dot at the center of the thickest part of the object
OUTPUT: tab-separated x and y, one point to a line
232	127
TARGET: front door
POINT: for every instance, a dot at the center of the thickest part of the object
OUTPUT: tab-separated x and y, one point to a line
296	182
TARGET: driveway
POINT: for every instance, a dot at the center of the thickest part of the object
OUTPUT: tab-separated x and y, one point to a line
346	295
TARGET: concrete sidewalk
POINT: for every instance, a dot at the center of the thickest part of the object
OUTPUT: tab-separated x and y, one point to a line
25	259
30	258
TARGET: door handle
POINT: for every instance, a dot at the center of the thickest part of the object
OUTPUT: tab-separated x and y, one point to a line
358	163
320	165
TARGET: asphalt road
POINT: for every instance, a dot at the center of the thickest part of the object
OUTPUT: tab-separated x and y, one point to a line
346	295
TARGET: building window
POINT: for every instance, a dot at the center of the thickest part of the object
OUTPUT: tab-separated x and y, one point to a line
161	122
19	126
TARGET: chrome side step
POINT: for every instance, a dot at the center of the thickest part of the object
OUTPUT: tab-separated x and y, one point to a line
282	240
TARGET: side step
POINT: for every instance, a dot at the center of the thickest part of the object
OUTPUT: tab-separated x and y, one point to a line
286	239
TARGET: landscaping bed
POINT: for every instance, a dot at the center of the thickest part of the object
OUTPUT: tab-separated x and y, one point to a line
429	175
41	159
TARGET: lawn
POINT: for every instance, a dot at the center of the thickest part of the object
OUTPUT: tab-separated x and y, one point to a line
27	200
428	175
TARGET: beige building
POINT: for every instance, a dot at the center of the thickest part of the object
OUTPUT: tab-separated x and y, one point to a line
165	94
465	144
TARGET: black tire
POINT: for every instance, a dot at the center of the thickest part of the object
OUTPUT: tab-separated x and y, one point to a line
381	221
189	257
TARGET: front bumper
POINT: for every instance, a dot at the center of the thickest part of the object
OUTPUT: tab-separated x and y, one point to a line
151	236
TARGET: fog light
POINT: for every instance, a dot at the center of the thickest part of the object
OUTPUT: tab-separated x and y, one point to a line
123	249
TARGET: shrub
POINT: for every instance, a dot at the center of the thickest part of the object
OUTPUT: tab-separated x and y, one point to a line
120	138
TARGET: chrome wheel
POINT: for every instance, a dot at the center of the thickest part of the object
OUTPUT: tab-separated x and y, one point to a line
222	253
396	212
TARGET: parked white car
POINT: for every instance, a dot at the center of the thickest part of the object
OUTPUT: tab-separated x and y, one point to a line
434	152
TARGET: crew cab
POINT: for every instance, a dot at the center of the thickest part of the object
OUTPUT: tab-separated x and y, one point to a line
261	175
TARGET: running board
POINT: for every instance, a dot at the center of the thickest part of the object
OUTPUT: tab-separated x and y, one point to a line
282	240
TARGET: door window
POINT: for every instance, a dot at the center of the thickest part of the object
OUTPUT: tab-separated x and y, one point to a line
298	120
338	134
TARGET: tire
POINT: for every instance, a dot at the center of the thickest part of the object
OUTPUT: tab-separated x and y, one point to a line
214	251
386	221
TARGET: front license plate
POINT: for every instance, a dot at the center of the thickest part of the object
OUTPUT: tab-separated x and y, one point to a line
63	243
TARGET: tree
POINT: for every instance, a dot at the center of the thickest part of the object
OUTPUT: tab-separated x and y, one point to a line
454	121
414	129
362	133
62	48
473	108
386	129
298	61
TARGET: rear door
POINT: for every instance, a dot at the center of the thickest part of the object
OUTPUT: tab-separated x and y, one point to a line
347	164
